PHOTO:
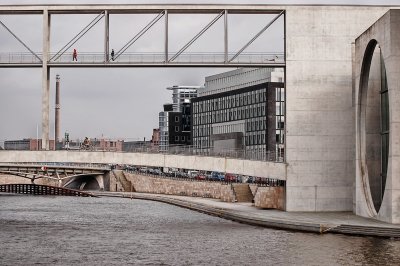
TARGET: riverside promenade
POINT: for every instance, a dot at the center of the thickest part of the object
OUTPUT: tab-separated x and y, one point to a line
315	222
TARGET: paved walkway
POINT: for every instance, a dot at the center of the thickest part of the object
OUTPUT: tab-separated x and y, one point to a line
336	222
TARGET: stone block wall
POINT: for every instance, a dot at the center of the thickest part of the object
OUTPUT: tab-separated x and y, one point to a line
253	189
270	198
149	184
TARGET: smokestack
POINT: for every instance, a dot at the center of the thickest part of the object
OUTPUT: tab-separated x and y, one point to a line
57	114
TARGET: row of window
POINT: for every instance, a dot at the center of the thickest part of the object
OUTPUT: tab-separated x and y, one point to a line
182	138
202	130
226	102
255	138
251	138
227	115
202	142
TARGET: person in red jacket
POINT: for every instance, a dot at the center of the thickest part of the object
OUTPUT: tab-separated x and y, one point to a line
75	55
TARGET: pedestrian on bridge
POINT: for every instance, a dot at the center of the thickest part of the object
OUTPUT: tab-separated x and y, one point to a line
112	54
75	55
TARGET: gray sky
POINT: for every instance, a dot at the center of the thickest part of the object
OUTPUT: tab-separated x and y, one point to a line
116	102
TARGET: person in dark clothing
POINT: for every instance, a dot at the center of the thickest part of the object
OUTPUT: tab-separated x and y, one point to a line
112	54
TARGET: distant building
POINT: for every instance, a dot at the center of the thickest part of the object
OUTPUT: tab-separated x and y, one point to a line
107	144
175	121
26	144
155	138
241	111
136	146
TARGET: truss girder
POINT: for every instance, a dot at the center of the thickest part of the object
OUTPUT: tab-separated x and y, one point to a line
197	36
167	58
255	37
20	41
139	34
78	36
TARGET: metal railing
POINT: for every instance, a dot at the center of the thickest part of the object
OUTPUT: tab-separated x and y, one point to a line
95	166
183	176
256	154
186	150
143	58
19	58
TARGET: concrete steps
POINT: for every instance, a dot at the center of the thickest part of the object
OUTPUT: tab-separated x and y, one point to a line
367	230
125	183
242	192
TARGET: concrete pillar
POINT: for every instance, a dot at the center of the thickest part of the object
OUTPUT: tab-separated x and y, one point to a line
57	113
166	36
45	81
106	36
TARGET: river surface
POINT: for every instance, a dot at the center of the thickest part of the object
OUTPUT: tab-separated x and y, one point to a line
38	230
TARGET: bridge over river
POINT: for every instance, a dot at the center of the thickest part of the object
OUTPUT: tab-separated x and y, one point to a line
93	171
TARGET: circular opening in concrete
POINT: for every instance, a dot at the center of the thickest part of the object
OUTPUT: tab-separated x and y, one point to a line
374	123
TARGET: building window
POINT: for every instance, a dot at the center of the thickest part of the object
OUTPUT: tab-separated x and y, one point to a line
176	118
176	128
176	138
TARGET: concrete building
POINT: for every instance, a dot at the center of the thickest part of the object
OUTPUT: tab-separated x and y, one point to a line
107	144
377	101
175	120
241	111
321	103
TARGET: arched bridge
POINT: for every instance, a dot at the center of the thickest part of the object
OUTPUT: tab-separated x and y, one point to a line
57	171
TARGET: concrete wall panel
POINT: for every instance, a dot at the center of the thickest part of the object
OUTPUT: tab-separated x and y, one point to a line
319	103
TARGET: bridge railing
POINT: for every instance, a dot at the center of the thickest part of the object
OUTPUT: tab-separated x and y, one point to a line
183	176
20	58
62	164
142	58
255	154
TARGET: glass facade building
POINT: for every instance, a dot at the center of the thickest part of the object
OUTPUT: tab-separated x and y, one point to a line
241	112
248	120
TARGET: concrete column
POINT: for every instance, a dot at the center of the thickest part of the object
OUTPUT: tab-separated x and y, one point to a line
106	36
45	81
57	121
226	36
166	36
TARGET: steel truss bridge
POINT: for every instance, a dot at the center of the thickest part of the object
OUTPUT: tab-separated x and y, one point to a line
47	59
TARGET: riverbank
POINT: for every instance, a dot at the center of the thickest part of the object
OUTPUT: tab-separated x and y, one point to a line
320	222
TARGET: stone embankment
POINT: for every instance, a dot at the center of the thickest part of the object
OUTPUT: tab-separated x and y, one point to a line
340	222
263	197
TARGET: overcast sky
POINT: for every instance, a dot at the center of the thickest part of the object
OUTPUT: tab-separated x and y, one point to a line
117	102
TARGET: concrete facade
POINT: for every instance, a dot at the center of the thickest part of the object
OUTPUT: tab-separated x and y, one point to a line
320	123
384	37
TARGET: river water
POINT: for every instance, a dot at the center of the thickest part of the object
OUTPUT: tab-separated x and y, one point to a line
36	230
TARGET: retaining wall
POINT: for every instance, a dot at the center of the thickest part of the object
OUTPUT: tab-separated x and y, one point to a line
270	198
155	185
